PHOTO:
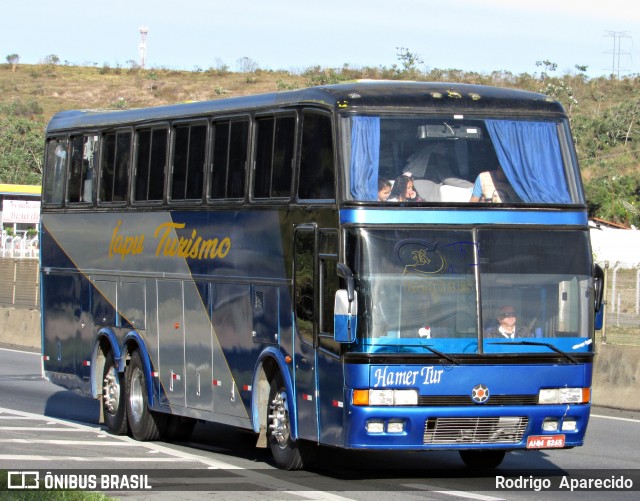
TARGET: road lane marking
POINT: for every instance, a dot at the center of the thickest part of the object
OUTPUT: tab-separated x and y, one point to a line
36	353
629	420
86	459
61	442
461	494
44	428
18	418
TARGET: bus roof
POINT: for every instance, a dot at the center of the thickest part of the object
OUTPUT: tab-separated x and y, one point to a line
20	189
358	95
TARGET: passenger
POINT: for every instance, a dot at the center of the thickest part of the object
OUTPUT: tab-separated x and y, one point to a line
403	190
506	327
384	188
493	186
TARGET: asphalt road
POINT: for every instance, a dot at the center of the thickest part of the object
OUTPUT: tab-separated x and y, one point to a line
47	428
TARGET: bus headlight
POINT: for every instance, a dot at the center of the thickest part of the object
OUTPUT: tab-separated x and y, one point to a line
564	396
385	397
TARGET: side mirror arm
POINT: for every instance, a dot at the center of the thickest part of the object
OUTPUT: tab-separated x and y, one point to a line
345	272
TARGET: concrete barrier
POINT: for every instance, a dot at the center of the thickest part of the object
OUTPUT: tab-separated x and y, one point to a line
616	372
616	377
20	327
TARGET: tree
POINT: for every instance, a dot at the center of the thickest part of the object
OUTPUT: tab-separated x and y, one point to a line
51	60
21	143
246	65
548	67
13	60
409	60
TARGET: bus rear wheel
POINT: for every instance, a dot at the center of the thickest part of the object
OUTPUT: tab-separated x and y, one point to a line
482	459
143	423
114	397
287	453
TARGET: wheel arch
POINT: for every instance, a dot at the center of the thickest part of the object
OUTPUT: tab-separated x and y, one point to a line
269	363
106	342
134	342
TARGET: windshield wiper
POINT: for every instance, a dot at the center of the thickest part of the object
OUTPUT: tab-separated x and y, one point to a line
451	359
548	345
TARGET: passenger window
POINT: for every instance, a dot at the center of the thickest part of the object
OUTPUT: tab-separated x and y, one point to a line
275	139
54	171
316	158
81	168
229	158
189	151
116	154
151	160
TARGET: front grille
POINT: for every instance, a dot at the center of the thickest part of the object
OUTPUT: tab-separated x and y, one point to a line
475	430
443	400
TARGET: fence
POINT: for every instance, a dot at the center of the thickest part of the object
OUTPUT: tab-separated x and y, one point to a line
19	246
622	308
20	283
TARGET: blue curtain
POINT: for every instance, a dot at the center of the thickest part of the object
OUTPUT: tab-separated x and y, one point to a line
529	153
365	157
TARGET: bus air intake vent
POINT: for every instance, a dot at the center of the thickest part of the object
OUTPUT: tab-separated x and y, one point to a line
475	430
448	400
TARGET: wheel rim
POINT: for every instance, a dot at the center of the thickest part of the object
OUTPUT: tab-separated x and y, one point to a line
111	391
136	399
279	419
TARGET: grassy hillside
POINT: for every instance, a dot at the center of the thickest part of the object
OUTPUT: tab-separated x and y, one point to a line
605	113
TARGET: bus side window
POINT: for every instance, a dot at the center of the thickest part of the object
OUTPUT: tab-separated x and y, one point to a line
275	139
228	159
150	164
81	168
54	171
114	166
189	151
316	158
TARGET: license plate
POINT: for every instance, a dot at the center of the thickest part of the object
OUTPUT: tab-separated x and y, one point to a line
545	441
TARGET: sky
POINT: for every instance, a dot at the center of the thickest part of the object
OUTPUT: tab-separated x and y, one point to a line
480	36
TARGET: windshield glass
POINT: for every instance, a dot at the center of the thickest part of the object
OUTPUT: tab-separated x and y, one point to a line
447	288
459	159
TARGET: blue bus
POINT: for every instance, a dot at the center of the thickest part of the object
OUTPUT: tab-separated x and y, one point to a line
375	266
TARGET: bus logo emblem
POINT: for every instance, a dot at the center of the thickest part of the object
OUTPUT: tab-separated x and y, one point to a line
480	394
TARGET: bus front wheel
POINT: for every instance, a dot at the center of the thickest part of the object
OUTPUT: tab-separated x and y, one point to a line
482	459
113	397
143	423
287	453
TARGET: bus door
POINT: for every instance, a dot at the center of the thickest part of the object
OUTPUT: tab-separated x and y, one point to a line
319	378
305	351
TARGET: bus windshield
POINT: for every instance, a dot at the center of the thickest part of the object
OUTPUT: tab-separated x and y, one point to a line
459	159
522	289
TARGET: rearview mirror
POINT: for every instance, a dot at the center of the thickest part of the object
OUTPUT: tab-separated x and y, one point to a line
345	316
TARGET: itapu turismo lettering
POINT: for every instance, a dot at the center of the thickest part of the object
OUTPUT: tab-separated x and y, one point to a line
168	243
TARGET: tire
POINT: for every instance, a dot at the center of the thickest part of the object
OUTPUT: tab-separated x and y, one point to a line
482	459
287	454
178	428
114	397
143	424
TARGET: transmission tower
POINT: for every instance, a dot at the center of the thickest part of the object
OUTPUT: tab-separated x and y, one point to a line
617	51
142	47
